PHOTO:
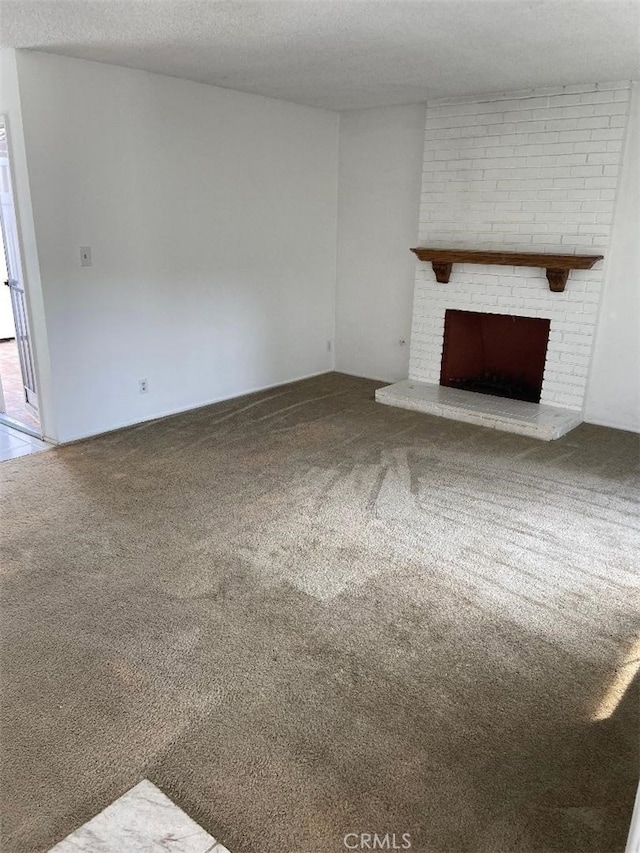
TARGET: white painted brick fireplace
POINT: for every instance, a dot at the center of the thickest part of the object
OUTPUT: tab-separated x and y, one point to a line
532	171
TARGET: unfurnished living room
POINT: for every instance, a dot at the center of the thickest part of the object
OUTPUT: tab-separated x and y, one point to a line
320	426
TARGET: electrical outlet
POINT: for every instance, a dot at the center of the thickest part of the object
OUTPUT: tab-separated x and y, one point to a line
144	386
85	256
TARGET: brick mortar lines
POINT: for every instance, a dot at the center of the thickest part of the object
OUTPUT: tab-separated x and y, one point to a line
546	182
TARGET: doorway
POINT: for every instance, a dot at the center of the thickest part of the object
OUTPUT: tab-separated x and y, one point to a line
18	389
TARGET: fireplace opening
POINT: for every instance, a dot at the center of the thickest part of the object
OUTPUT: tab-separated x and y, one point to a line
496	354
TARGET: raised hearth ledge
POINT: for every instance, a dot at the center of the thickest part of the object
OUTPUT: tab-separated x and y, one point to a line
536	420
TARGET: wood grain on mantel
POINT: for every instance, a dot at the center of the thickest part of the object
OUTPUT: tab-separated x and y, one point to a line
557	266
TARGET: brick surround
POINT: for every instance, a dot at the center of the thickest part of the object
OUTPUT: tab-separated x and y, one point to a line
532	171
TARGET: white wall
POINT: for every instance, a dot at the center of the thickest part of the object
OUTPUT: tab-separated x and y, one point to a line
613	397
379	195
212	219
211	216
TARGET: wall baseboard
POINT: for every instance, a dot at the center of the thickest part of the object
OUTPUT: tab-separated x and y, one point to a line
179	411
364	376
169	413
612	425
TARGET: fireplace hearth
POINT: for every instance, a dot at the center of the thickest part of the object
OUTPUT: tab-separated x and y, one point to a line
497	354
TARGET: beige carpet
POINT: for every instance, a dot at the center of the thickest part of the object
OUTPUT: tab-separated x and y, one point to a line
303	614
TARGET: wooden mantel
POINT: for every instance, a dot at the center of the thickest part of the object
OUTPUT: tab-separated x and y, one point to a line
557	266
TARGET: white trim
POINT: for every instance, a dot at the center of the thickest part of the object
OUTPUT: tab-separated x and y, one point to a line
365	376
26	237
612	425
179	411
6	132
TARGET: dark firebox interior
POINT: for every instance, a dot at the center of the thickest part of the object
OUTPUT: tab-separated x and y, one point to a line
496	354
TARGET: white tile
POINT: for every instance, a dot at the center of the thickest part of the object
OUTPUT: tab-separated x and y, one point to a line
143	820
9	441
14	443
22	449
5	429
7	453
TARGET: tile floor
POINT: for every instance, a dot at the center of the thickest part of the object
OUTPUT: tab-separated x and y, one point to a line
14	444
141	821
11	377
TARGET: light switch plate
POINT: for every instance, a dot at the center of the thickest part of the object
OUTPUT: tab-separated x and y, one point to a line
85	256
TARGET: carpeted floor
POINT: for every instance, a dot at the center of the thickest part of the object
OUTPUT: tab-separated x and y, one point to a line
303	614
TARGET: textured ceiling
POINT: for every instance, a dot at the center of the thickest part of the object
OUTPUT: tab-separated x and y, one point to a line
343	55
